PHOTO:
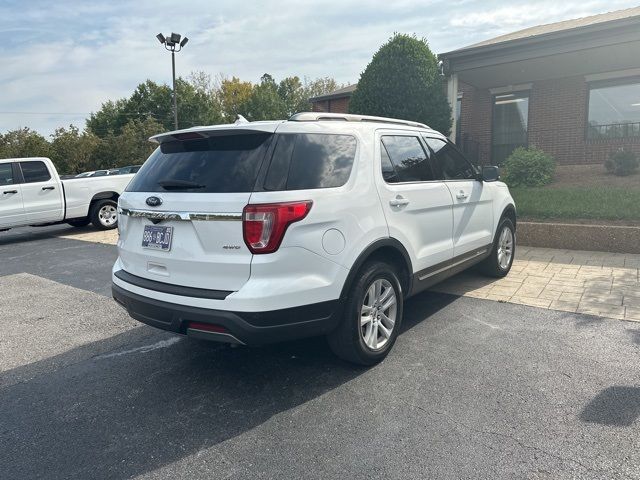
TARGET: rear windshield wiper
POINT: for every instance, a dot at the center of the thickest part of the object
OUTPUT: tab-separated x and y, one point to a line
179	185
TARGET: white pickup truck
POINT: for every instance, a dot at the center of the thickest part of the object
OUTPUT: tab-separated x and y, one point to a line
32	193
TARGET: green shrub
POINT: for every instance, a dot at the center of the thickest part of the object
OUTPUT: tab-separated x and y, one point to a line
622	163
528	167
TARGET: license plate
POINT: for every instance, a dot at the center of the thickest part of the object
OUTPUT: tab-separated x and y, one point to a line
157	237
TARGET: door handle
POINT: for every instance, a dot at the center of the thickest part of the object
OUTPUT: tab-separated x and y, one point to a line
399	201
461	195
48	188
10	191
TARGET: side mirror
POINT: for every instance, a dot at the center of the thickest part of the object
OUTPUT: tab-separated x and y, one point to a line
490	174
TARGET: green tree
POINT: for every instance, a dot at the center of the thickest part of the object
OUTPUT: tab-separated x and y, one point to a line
196	106
293	95
130	147
403	81
23	142
265	103
233	94
73	151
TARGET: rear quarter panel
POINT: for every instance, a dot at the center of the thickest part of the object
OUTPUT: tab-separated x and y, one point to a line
343	221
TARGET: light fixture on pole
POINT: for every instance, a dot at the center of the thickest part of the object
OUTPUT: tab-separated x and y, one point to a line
173	44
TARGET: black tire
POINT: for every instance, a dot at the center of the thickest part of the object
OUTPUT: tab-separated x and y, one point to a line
347	340
95	214
491	265
83	222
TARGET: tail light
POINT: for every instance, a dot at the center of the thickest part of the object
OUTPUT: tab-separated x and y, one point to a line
264	225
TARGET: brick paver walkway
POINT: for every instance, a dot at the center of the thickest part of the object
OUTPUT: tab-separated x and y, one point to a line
91	235
597	283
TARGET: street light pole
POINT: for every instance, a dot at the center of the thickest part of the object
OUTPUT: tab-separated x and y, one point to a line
175	95
173	44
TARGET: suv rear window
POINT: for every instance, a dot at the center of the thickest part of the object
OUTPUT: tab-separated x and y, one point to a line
221	164
309	161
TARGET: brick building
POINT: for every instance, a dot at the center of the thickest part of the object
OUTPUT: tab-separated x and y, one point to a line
571	88
337	101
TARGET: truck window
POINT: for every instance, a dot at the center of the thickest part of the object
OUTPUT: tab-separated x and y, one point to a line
6	174
35	171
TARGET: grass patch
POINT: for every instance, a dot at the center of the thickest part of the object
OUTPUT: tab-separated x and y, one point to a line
597	203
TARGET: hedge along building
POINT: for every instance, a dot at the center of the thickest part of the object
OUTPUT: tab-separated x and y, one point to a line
571	88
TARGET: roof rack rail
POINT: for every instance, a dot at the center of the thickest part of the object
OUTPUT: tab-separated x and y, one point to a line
347	117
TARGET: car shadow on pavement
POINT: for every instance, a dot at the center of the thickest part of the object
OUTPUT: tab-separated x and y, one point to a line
617	406
134	410
32	234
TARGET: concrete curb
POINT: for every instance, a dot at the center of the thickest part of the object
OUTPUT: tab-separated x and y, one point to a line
603	238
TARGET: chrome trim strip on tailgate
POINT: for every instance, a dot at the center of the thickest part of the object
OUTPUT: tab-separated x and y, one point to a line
186	216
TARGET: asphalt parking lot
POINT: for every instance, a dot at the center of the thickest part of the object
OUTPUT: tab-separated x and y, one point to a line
473	389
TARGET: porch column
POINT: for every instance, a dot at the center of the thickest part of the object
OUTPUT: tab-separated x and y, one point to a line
452	96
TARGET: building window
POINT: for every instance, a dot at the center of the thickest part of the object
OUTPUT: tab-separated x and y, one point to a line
510	121
614	110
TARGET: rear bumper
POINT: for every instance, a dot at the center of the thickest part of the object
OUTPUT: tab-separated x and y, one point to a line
250	328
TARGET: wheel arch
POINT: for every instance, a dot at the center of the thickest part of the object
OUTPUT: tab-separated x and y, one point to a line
390	251
109	195
509	212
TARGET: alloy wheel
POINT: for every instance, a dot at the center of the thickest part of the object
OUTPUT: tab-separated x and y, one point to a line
378	314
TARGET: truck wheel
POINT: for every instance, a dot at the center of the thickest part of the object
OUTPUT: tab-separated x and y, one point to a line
83	222
499	262
372	316
104	214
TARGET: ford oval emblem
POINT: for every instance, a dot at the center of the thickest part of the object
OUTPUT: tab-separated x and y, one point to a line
154	201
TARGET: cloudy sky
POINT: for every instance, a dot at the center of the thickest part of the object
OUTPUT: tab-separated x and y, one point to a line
61	59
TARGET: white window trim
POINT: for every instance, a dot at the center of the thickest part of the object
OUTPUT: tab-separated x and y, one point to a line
632	72
511	88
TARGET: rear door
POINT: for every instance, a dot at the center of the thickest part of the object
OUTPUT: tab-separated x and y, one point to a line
11	207
41	193
472	201
190	195
416	205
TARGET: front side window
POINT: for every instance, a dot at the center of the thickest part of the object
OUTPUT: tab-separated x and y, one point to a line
309	161
6	174
510	123
34	172
614	110
404	160
449	162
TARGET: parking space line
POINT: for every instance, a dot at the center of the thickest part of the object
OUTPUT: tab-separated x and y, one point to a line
143	349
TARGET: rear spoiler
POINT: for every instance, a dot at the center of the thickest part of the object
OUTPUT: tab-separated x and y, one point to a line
216	131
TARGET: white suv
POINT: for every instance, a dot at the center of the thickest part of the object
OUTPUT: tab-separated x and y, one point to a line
319	225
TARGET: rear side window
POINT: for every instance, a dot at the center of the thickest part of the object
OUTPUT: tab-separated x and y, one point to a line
6	174
451	163
222	164
35	172
404	160
309	161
